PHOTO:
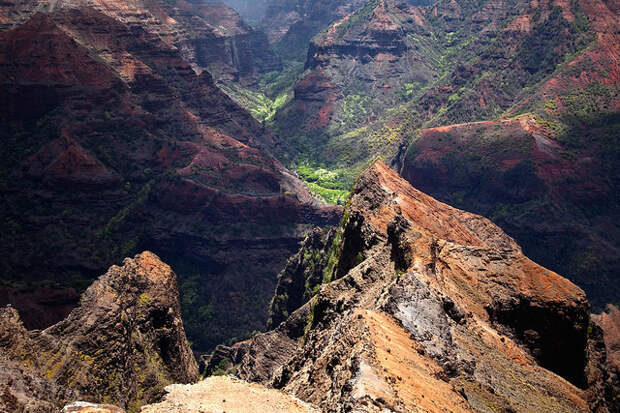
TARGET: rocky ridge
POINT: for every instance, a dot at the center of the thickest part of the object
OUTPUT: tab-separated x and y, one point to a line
122	345
545	170
505	109
423	306
355	69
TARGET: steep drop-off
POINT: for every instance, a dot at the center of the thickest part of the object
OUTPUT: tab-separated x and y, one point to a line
505	109
423	307
355	70
546	170
209	35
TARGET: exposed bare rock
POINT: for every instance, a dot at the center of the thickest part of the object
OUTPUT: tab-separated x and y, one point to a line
428	308
217	394
86	407
354	70
605	355
122	345
609	321
301	277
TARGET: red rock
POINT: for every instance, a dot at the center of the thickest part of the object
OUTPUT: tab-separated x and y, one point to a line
419	298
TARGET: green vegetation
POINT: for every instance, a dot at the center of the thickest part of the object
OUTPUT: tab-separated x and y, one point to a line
261	107
335	250
224	367
358	17
121	215
326	184
274	84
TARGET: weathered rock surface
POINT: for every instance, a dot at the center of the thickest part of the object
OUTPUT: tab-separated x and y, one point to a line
609	321
122	345
606	329
217	394
507	109
515	169
86	407
426	307
301	276
355	69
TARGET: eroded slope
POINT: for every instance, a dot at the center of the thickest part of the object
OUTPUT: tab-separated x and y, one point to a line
424	307
113	144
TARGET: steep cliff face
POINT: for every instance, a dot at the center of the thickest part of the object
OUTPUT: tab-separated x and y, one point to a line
427	307
546	170
301	277
290	24
505	109
122	345
609	324
355	69
113	144
444	63
209	34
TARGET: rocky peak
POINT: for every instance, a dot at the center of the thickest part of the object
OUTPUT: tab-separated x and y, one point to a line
426	306
122	345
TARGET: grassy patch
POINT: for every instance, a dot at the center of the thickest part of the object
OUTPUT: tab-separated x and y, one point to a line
329	185
260	106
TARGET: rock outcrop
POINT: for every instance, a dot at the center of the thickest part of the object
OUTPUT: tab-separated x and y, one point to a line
216	394
606	329
355	69
122	345
426	307
546	169
301	277
505	109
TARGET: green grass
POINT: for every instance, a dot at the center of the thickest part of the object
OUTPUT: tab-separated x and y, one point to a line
332	196
327	184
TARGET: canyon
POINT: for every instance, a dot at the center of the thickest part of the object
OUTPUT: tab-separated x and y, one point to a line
114	146
305	205
467	101
420	307
423	306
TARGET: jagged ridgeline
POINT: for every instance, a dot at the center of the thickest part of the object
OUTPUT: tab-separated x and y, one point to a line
218	142
408	304
122	345
506	109
412	304
419	62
